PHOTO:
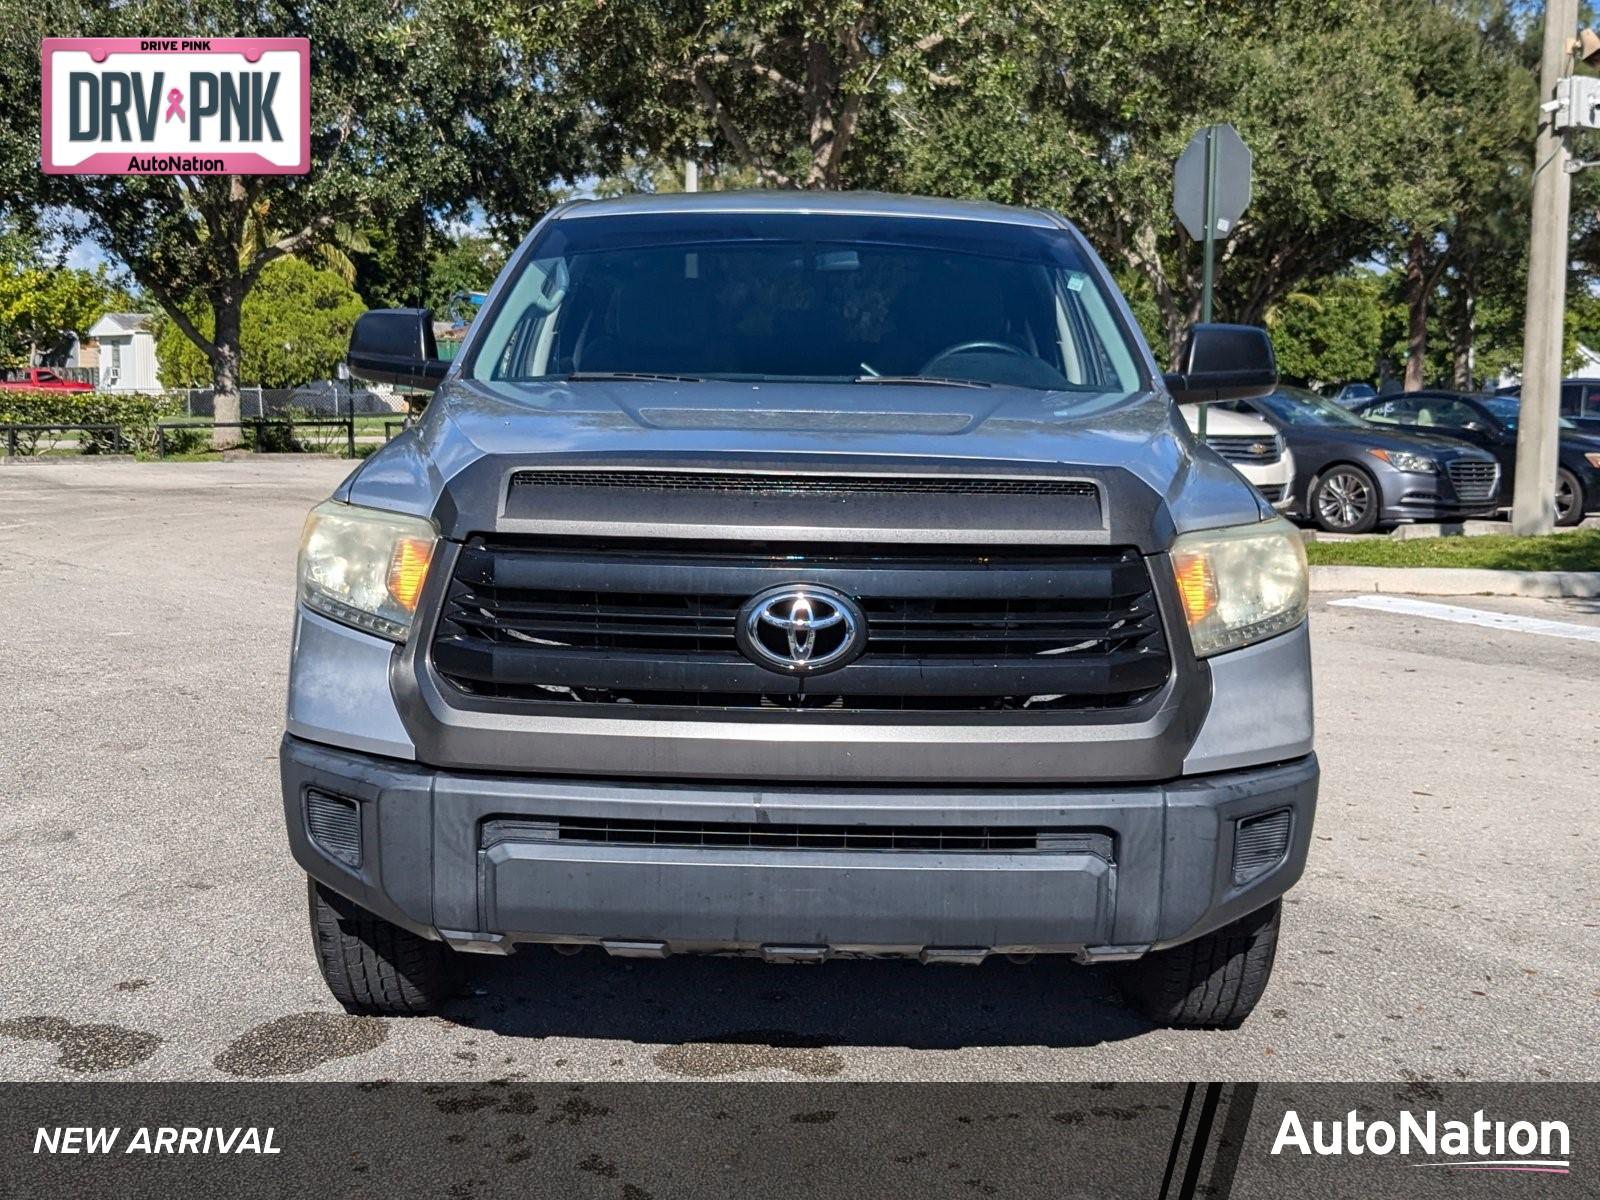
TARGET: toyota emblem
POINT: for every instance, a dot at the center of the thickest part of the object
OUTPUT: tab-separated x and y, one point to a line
801	629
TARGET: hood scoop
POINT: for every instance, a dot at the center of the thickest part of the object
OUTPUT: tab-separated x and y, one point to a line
805	420
757	483
901	501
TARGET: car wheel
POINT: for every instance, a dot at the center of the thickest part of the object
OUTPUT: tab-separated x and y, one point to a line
1213	982
1346	500
1570	500
373	966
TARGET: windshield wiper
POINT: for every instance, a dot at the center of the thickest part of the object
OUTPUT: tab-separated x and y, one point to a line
646	376
929	380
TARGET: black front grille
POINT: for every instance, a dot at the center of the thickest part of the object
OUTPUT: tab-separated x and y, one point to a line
1271	492
737	483
1261	451
1474	479
740	835
623	623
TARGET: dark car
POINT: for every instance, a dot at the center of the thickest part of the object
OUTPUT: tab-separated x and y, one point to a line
1347	395
1352	476
1580	402
1490	421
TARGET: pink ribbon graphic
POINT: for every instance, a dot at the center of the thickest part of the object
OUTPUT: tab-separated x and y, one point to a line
175	106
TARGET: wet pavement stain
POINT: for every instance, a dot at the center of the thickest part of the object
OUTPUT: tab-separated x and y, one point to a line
756	1050
296	1043
820	1117
38	835
575	1110
132	985
85	1048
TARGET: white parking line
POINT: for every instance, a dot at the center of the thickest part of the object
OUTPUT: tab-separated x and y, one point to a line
1404	606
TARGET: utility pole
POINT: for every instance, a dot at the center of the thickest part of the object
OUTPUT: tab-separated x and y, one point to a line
691	175
1208	264
1533	508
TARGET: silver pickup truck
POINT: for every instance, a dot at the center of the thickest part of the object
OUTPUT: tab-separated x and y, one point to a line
802	576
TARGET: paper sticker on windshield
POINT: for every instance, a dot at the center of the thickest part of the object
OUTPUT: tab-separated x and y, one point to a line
1075	281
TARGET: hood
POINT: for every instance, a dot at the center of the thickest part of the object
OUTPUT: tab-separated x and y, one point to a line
1576	439
1375	438
862	427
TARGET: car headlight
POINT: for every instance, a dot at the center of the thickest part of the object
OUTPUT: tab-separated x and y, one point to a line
364	567
1402	460
1241	584
1594	460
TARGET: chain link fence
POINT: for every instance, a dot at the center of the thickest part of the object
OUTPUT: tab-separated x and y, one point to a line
324	398
325	416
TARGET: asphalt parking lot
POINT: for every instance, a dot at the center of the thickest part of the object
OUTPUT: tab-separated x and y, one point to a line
1447	927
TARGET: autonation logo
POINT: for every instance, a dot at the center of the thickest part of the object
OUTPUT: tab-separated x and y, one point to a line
1480	1144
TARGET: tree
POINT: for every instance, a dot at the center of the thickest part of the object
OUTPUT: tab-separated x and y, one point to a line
403	100
40	305
1468	196
1331	332
788	89
468	262
1085	109
295	326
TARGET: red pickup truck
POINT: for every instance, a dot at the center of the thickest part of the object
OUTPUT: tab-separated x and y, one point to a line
40	379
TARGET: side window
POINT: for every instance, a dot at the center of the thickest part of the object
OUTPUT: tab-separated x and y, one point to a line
1571	399
1590	407
1392	412
1451	414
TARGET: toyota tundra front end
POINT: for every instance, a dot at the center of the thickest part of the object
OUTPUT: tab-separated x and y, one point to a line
802	577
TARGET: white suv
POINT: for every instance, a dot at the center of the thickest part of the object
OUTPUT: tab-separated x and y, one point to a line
1252	447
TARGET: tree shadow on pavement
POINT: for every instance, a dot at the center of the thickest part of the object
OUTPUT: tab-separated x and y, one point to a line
734	1001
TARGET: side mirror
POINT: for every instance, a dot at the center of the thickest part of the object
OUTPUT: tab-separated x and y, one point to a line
396	345
1224	362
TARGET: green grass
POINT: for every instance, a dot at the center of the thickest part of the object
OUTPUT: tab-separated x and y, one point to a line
1579	551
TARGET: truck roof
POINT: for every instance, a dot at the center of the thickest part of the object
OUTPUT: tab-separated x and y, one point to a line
810	202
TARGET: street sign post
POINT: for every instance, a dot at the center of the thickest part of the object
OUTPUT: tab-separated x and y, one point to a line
1210	191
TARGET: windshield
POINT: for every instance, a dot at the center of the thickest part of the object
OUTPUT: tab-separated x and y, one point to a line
806	298
1294	406
1505	409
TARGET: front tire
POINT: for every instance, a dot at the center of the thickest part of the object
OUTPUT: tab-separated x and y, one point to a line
1213	982
1570	500
1346	500
373	966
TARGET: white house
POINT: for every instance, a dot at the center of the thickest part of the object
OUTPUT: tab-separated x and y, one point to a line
127	352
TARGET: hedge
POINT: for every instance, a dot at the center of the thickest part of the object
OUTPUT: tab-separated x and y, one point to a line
136	415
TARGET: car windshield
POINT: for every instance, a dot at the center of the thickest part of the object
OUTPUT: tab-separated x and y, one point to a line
1505	409
1293	406
806	298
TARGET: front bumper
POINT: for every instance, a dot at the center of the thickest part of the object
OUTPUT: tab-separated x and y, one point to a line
1416	496
481	861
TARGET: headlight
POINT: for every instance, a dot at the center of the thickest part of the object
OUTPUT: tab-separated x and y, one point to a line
1242	584
1400	460
364	567
1594	460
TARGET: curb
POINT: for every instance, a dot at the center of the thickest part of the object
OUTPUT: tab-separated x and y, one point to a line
1458	581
